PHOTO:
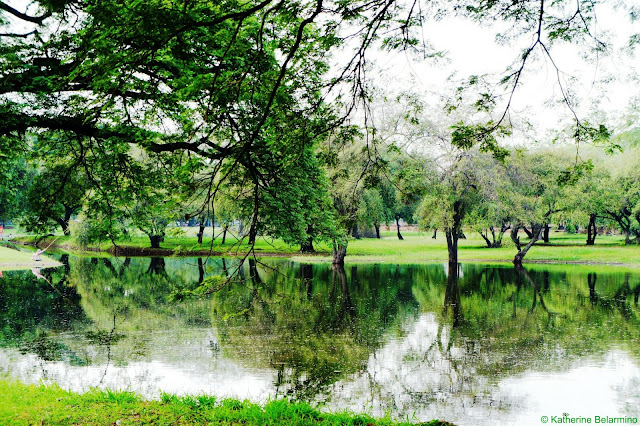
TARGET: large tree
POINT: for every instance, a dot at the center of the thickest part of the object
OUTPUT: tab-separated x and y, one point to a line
225	81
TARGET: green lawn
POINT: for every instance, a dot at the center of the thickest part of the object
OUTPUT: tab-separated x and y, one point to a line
416	247
28	405
420	247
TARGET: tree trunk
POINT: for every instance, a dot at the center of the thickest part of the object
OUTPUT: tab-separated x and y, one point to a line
398	227
68	211
486	239
307	246
200	232
452	246
452	234
355	233
125	265
496	239
64	221
155	240
64	224
377	226
526	231
253	271
339	252
545	235
347	308
224	234
537	234
435	233
591	230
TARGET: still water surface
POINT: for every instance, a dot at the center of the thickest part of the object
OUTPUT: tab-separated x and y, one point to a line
495	346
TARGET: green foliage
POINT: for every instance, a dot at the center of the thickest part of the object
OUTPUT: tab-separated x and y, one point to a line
55	195
15	178
466	137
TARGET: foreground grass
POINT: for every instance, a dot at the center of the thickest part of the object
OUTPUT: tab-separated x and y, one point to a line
28	404
415	248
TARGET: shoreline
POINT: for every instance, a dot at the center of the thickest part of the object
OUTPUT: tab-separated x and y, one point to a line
319	256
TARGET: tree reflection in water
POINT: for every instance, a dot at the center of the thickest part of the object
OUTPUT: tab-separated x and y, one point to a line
399	337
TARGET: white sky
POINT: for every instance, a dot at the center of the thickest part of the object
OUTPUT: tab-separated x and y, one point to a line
472	49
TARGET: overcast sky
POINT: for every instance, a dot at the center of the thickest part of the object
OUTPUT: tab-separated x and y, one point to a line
472	50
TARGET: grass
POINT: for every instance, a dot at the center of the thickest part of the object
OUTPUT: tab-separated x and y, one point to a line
31	404
420	247
416	247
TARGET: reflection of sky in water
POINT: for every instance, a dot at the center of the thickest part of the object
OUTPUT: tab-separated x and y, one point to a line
189	367
409	378
420	375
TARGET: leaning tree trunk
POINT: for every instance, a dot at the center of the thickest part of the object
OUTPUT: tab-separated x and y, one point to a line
224	234
522	252
485	237
591	230
398	227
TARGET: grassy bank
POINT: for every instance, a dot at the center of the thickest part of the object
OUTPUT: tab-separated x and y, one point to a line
28	404
416	247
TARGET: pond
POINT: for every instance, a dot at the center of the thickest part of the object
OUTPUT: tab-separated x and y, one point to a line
493	346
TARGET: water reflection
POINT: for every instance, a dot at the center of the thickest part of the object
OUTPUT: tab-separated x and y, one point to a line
467	344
